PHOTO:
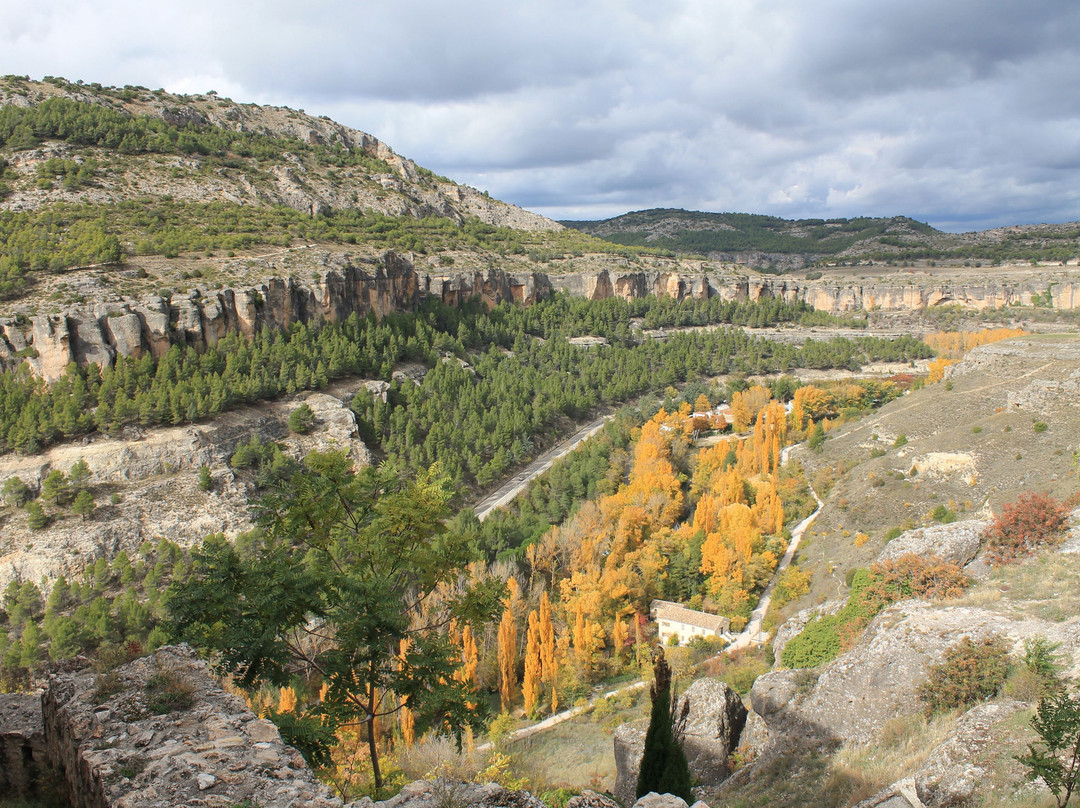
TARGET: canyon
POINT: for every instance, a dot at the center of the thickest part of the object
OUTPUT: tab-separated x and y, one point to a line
345	284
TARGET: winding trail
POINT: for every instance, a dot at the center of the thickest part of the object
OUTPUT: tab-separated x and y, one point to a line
505	493
752	634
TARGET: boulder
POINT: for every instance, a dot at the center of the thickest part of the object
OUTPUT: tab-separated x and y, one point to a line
957	542
590	799
952	771
654	800
851	698
713	727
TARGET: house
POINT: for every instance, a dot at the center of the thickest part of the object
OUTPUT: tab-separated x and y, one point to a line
675	620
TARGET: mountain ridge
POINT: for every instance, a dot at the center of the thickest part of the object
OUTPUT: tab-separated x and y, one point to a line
771	242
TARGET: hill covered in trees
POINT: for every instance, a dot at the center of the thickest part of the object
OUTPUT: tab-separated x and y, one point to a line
772	242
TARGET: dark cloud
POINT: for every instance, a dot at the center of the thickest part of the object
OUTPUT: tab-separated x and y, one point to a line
962	113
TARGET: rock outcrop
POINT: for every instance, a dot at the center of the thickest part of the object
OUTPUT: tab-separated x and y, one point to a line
202	317
713	726
951	774
852	697
821	295
157	473
441	793
49	342
957	542
161	732
22	744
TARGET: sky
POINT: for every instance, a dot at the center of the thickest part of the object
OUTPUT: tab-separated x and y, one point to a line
961	113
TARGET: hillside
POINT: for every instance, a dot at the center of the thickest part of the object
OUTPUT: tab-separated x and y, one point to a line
131	142
784	244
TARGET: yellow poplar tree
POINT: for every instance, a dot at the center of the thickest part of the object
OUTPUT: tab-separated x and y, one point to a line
406	717
618	641
508	645
530	687
548	666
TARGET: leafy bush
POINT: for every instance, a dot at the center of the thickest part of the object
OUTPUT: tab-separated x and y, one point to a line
1033	522
1040	426
972	671
909	576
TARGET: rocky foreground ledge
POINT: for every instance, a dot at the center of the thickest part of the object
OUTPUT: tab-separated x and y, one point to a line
160	732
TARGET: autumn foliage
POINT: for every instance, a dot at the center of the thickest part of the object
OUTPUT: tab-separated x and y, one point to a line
954	344
1033	522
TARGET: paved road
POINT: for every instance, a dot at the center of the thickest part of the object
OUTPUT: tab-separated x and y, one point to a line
506	493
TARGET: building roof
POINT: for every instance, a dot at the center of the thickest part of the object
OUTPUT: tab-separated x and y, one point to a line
666	610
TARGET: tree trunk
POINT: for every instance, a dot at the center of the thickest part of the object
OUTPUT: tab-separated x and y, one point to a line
373	743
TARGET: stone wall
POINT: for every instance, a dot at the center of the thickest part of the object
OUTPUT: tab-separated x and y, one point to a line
22	745
115	740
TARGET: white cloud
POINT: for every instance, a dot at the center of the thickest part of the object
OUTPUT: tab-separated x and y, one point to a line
960	113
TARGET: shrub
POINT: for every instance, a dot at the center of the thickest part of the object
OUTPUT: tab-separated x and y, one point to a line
901	440
791	584
302	419
1024	527
168	692
913	576
972	671
872	590
1040	426
893	532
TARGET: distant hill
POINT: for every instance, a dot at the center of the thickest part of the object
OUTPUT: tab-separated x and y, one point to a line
769	242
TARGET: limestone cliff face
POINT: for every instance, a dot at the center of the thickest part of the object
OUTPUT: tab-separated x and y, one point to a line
821	295
151	325
392	283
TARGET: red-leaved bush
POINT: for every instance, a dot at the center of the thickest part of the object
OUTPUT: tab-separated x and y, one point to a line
1033	522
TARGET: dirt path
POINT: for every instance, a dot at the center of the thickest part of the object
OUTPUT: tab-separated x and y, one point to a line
558	718
753	634
515	485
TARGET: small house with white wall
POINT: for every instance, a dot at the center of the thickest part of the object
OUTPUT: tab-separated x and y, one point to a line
675	620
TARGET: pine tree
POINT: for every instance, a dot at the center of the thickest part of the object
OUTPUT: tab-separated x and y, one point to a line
663	764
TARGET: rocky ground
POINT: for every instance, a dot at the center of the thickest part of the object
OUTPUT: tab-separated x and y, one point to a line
154	476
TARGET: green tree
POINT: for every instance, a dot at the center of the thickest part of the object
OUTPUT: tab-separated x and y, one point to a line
79	474
15	492
302	419
663	763
345	572
1056	758
206	482
83	505
816	437
55	489
36	518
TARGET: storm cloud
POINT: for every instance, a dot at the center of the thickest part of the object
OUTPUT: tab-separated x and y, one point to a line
965	114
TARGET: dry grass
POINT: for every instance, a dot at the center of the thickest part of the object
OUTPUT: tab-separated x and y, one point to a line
578	753
431	757
859	772
1046	587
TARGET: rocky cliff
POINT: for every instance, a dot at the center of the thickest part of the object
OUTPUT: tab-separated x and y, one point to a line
201	317
832	296
346	284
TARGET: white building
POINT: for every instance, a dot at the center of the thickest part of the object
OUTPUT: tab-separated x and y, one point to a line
674	620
